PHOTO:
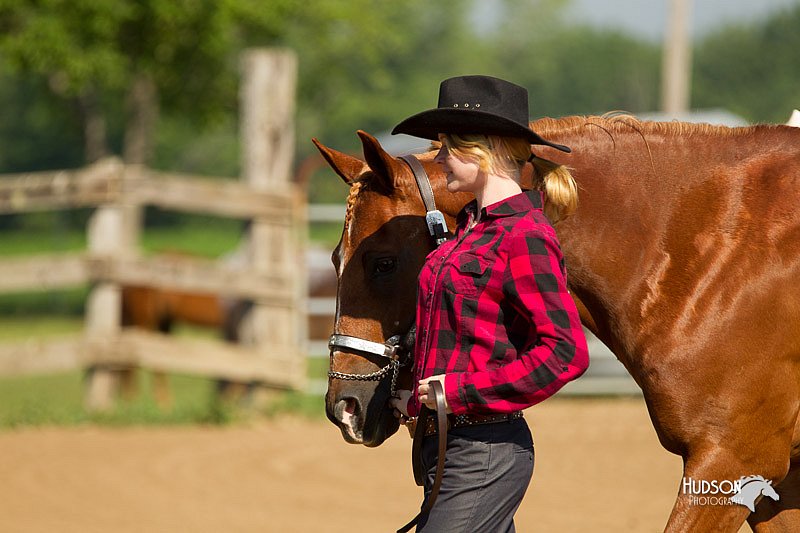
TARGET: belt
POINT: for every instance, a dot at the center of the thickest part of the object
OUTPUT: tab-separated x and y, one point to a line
460	421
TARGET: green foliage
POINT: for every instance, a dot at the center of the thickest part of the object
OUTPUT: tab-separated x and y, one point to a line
572	69
52	310
37	131
103	44
363	67
65	41
751	70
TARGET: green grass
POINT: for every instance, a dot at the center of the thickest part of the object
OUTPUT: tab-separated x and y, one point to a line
203	236
57	399
40	241
22	327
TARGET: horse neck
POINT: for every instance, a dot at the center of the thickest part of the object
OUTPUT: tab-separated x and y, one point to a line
611	245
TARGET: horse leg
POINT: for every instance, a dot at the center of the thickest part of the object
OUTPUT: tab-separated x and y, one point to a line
129	383
237	312
689	513
161	390
784	514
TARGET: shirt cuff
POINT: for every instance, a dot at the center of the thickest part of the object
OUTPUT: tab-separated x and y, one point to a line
452	391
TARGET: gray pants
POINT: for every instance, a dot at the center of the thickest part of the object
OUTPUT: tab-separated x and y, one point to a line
487	471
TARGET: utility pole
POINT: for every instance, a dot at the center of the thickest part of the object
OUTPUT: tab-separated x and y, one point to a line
676	66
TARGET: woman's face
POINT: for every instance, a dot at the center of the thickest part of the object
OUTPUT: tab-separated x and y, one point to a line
462	176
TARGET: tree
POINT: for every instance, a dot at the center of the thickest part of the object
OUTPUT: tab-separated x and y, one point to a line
143	51
572	69
751	70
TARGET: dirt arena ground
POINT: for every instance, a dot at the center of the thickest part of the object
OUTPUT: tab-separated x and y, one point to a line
599	468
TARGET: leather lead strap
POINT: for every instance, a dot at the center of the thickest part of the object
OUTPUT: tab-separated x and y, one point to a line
437	392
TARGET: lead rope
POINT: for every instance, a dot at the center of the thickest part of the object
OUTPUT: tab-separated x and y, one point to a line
437	391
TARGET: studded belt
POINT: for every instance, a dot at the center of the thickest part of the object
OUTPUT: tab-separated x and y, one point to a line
460	421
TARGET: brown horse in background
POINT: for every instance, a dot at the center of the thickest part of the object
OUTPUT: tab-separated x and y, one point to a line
157	309
684	259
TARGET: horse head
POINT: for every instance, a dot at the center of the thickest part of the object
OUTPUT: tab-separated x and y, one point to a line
382	249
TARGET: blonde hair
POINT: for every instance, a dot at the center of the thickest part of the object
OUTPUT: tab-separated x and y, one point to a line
505	156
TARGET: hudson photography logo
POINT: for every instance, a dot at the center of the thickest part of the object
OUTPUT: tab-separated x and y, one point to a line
743	491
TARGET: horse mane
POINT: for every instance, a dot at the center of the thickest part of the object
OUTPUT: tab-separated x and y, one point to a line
355	188
616	122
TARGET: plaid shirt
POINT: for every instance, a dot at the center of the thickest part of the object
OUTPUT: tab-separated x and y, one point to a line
494	314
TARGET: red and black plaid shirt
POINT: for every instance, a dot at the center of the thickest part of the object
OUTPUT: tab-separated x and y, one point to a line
494	314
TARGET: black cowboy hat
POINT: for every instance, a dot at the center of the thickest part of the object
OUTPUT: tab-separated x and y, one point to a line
476	104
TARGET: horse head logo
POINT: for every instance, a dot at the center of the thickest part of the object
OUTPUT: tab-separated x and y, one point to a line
750	488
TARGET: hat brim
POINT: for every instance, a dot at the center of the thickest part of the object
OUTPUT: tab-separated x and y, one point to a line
429	124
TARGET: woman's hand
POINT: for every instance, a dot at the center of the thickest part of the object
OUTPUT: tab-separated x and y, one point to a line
400	404
424	392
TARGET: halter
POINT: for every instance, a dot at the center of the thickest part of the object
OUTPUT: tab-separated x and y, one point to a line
396	348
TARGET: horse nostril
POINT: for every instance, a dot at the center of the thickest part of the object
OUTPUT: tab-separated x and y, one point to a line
346	410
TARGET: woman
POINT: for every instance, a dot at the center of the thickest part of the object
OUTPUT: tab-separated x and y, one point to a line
495	323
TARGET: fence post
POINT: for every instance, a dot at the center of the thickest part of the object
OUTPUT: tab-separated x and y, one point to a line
267	129
112	233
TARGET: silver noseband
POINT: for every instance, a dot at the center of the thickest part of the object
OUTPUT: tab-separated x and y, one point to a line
389	350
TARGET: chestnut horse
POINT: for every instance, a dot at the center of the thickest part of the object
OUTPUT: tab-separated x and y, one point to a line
158	309
684	259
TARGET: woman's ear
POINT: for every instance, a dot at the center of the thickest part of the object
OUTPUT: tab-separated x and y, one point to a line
385	167
349	168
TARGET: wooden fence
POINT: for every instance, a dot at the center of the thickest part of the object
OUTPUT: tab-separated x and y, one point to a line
273	278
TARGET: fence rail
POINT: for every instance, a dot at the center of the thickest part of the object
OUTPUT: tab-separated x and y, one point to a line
59	189
43	272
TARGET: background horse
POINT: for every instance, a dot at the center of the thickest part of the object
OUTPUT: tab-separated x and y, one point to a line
158	309
684	259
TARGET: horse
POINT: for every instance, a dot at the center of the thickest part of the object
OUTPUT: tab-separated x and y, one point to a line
160	309
683	258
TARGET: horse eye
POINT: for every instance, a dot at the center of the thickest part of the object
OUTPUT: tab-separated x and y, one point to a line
385	265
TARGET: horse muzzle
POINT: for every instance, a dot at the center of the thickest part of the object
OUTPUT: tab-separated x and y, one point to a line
363	416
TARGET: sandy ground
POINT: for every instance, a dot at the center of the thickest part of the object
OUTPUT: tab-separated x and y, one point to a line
599	467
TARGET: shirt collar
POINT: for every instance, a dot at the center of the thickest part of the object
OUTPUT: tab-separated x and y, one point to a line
519	203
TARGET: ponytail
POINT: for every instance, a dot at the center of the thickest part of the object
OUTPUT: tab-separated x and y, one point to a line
506	156
561	191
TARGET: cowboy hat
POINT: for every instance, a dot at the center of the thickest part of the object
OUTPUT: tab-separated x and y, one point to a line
476	104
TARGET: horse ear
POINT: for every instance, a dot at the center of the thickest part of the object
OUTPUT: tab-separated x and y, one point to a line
385	167
346	166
